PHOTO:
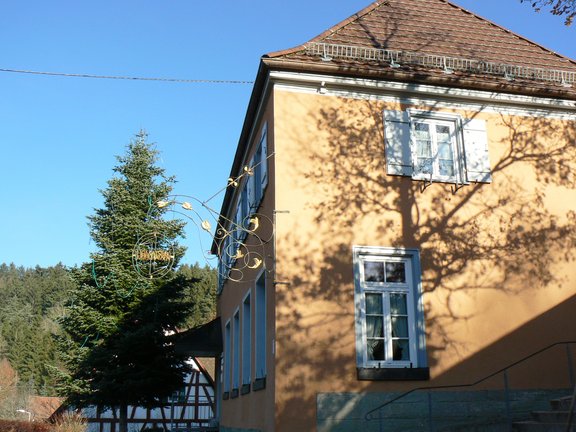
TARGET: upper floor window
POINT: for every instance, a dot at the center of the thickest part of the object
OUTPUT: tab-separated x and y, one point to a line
436	146
248	199
435	149
257	182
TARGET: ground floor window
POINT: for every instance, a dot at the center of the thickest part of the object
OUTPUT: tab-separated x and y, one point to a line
390	338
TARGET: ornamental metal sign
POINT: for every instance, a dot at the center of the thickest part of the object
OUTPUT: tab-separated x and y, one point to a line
153	256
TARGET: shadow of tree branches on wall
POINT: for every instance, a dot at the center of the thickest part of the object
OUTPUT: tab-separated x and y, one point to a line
482	245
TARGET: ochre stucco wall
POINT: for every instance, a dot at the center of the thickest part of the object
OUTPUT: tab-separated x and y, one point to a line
494	256
255	410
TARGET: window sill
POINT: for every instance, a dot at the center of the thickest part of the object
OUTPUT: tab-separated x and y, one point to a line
245	389
393	374
259	384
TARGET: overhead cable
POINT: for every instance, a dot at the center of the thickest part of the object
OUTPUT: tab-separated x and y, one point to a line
76	75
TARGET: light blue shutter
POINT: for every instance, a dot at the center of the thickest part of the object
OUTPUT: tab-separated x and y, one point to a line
238	222
397	143
264	158
244	209
251	189
476	151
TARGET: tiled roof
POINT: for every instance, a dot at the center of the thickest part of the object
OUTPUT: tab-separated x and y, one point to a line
440	28
42	407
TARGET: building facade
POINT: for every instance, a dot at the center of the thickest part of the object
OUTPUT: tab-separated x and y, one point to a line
400	215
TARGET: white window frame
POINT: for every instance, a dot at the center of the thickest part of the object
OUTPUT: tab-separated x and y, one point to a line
411	287
246	339
433	119
260	327
227	356
469	146
236	350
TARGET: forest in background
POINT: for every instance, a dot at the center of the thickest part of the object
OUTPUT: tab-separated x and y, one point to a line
31	302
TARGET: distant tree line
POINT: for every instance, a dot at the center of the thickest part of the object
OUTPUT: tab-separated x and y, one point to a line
33	300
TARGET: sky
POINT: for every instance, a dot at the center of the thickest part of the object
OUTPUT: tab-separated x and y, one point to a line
60	135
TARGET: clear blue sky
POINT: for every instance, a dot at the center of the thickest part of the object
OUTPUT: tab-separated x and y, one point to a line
59	136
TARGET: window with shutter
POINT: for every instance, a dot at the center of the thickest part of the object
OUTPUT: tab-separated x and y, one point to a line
264	158
260	164
436	147
251	189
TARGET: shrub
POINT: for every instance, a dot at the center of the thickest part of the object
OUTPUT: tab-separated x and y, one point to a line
23	426
70	423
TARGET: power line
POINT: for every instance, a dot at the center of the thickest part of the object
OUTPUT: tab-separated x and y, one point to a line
74	75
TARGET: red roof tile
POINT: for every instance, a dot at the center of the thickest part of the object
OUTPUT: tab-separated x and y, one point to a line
441	28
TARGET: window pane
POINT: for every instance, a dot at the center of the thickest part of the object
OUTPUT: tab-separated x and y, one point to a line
443	133
395	272
424	165
400	350
446	168
446	159
445	154
398	304
375	349
423	141
374	304
445	150
373	271
422	131
400	327
374	327
424	149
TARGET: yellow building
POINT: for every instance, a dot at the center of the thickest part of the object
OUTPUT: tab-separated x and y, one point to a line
401	215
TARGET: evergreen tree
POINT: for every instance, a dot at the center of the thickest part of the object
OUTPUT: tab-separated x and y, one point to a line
118	346
202	293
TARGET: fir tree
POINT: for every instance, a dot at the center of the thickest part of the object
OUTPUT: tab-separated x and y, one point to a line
118	346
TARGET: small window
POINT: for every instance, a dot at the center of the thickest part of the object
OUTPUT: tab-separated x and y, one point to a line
259	179
227	357
260	317
389	316
246	340
236	352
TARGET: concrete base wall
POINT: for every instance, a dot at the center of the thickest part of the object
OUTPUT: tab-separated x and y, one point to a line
473	411
227	429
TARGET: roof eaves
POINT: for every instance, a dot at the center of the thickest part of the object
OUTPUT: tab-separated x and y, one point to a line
421	77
